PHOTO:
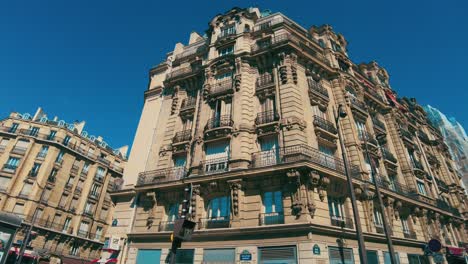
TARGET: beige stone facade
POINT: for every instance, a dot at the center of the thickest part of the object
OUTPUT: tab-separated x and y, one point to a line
245	116
63	174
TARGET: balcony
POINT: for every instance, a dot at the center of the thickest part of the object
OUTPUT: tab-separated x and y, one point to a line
88	213
268	24
161	175
182	136
388	156
442	185
296	153
343	222
371	93
99	178
379	228
82	233
182	72
409	234
358	105
211	223
222	87
406	135
74	169
324	126
264	81
219	126
166	226
225	35
9	168
368	139
317	90
104	160
379	125
418	167
188	104
19	150
94	195
272	218
267	117
213	166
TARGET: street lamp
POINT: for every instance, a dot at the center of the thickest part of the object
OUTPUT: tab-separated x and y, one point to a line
341	113
28	232
381	140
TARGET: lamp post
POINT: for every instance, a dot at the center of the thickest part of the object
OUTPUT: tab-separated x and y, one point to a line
340	113
381	140
28	232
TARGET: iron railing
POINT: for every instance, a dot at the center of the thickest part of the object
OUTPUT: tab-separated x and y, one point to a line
357	104
276	218
221	87
226	34
317	88
218	222
374	94
166	226
324	124
343	222
265	80
221	121
188	103
417	165
182	136
161	175
266	117
218	165
296	153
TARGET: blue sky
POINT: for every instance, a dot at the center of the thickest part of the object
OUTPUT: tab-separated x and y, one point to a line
89	60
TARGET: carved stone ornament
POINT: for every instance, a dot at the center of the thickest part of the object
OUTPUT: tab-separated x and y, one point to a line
237	82
235	187
314	178
311	208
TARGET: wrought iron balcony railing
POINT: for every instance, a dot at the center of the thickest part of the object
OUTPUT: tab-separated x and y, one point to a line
343	222
364	136
161	175
388	155
276	218
357	104
218	165
221	121
324	124
188	103
417	165
218	222
182	136
266	117
222	87
317	88
226	34
265	80
379	228
166	226
296	153
374	94
406	134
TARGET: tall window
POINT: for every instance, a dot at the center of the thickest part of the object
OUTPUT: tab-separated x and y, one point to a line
215	256
34	131
219	208
95	189
230	30
421	188
221	113
52	175
328	159
43	152
273	206
317	112
226	51
372	257
418	259
217	155
100	172
52	135
269	151
179	164
392	182
11	164
268	105
378	219
361	128
63	200
66	140
336	208
387	258
35	169
340	255
4	143
18	209
13	128
74	249
85	168
60	156
89	208
98	232
405	226
173	212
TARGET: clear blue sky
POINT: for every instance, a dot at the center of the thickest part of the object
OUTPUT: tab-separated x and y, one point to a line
89	60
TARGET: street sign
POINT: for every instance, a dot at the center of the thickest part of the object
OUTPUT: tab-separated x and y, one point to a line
245	255
434	245
316	249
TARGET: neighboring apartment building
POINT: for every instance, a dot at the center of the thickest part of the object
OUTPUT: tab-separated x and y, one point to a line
245	116
63	174
455	136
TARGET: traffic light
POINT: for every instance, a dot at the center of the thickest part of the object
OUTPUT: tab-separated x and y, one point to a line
186	201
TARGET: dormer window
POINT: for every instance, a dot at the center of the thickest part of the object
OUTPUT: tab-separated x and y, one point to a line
226	51
321	43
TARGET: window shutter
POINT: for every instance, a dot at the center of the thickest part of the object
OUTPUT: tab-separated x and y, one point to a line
340	255
219	256
285	255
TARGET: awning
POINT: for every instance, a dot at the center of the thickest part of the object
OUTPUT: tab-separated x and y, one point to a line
393	101
455	251
109	260
27	253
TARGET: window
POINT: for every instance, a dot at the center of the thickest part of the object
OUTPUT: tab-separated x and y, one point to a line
52	135
84	226
231	30
73	204
11	164
89	208
217	155
34	131
100	172
52	175
387	258
215	256
317	112
372	257
417	259
70	181
378	218
336	208
4	182
19	209
219	207
148	256
421	188
63	200
43	152
321	43
85	168
60	156
220	114
328	157
226	51
74	249
13	128
405	226
56	220
269	151
361	127
284	255
67	224
21	146
95	189
66	140
268	107
273	208
340	255
392	182
35	169
46	195
179	164
39	213
173	212
4	143
26	190
99	232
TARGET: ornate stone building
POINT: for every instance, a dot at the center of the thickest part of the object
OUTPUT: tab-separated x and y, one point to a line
63	174
245	115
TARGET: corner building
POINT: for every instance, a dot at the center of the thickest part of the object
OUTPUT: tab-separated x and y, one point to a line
245	116
62	174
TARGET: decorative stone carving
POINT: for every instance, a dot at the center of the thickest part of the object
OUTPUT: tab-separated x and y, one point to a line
314	178
152	212
235	186
237	82
294	185
397	206
311	208
164	149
